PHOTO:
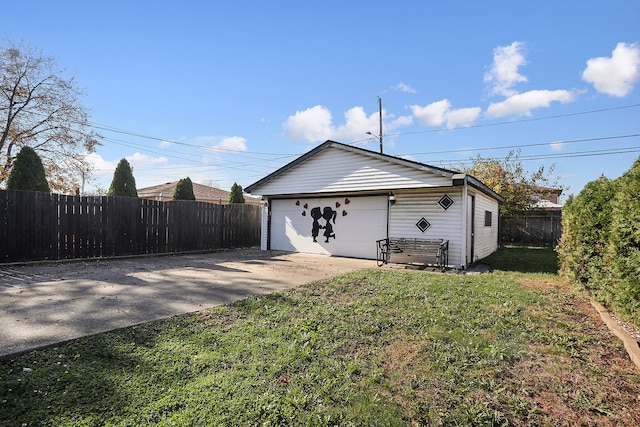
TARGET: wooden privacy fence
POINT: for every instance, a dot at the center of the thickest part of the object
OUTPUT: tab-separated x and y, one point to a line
532	230
39	226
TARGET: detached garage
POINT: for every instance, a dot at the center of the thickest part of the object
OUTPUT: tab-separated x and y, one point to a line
340	200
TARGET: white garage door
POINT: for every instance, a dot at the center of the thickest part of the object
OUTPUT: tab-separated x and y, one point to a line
344	226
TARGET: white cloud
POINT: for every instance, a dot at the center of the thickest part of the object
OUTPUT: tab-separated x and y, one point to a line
432	114
138	160
357	123
504	71
313	124
232	143
462	117
523	103
400	121
100	165
617	74
440	112
165	144
316	124
557	146
403	87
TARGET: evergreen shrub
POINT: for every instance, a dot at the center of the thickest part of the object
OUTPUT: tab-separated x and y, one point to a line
600	245
28	173
184	190
123	183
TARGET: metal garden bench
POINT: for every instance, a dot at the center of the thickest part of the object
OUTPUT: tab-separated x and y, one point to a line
406	250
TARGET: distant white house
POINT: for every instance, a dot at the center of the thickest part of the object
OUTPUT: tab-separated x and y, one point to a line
339	200
204	193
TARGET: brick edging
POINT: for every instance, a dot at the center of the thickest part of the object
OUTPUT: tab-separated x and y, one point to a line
630	344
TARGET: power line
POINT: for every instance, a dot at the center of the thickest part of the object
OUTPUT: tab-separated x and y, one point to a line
536	119
529	145
591	153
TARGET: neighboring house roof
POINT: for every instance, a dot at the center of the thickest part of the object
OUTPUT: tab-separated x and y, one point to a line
203	193
457	177
546	204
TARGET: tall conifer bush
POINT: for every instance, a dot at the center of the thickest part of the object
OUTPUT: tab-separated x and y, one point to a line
236	195
28	173
123	183
184	190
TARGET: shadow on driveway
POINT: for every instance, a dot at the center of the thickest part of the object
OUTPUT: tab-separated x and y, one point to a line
51	303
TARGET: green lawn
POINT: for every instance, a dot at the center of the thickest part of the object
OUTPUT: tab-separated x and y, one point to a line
376	347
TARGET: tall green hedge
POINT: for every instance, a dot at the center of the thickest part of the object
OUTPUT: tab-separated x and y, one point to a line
600	245
623	252
586	221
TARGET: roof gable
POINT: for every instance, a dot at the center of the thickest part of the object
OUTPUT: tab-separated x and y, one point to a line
333	166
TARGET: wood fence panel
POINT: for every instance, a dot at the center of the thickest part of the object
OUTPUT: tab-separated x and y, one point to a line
39	226
531	230
5	236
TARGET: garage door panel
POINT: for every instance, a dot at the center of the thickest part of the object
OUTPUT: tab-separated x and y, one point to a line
339	225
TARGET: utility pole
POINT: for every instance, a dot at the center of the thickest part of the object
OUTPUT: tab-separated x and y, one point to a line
380	110
379	136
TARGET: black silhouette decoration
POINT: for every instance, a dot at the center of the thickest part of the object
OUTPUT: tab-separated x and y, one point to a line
329	217
329	214
316	214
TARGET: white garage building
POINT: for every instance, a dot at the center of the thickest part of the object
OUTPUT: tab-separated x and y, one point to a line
339	200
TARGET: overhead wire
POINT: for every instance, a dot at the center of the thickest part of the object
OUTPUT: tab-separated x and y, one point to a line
278	157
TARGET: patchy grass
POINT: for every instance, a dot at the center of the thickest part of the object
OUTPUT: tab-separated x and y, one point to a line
523	260
375	347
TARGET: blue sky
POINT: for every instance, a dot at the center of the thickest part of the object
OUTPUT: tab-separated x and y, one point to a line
230	91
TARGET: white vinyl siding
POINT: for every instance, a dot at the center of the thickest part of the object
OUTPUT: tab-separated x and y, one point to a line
486	238
264	237
358	223
410	207
335	170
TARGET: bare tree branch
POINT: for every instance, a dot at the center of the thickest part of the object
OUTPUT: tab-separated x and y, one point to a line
41	109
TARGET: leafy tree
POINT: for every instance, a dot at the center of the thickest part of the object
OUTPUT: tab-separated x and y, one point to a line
27	172
41	109
508	177
123	183
236	195
184	190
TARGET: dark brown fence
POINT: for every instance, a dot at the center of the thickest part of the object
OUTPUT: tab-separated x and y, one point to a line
533	230
39	226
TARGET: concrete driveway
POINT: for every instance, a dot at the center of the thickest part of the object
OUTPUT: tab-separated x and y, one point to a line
47	304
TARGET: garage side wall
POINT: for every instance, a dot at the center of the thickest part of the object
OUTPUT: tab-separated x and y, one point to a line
445	224
486	226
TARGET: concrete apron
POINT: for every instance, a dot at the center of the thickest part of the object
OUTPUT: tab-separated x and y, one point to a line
46	304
